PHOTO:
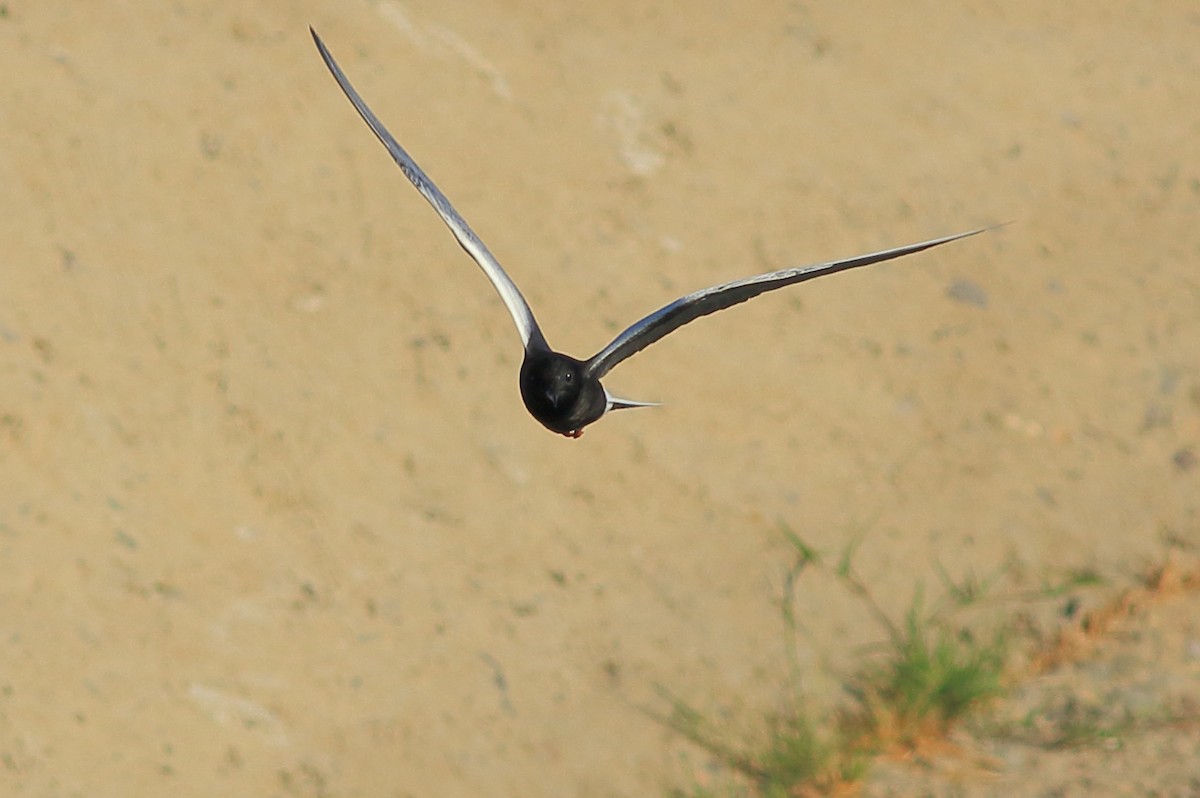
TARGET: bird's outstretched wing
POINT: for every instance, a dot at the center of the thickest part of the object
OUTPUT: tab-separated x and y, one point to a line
531	334
691	307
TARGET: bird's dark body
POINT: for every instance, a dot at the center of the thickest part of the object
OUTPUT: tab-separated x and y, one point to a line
563	393
558	393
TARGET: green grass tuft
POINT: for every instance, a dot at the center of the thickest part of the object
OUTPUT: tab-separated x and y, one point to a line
929	678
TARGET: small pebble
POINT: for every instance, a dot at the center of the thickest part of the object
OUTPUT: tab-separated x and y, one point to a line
968	292
1184	459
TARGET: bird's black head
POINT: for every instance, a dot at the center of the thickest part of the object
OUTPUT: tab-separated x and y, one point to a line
558	392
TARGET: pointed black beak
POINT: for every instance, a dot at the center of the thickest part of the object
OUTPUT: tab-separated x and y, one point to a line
552	395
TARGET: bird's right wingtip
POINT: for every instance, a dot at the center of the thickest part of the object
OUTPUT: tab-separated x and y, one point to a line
987	228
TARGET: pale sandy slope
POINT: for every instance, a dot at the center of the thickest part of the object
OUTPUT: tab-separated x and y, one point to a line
274	520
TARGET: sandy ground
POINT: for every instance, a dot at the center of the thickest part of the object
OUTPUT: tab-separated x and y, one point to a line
275	521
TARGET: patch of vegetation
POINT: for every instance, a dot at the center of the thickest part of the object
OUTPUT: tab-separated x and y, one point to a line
930	672
797	758
928	676
1067	722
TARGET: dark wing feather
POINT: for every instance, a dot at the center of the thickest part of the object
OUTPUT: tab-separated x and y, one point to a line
691	307
527	326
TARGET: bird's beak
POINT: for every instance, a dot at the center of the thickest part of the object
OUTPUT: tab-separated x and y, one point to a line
553	397
617	403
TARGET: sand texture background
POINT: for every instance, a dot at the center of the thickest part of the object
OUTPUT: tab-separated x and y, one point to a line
274	519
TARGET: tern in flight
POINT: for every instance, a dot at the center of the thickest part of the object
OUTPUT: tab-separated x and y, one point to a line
563	393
